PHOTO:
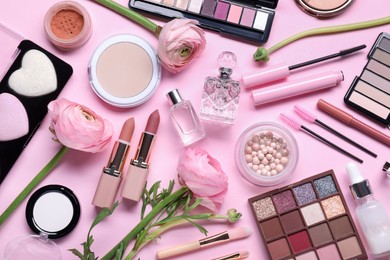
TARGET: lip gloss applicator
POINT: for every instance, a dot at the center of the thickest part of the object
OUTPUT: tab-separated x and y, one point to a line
112	174
138	170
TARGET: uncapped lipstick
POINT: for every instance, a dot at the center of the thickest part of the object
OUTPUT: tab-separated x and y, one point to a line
138	170
111	176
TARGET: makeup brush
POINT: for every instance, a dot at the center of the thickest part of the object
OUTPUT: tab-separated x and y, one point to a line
296	125
309	117
223	237
256	78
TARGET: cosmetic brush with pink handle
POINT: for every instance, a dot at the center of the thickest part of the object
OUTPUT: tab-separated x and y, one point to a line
294	123
309	117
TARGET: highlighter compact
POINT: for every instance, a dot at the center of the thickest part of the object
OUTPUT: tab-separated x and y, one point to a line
30	79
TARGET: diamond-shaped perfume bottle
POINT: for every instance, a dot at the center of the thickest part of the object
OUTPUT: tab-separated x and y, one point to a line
221	94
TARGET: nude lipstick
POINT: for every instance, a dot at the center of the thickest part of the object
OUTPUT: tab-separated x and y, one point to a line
139	166
111	176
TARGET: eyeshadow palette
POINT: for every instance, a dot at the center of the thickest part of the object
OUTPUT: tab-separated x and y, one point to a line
33	78
245	19
308	220
370	92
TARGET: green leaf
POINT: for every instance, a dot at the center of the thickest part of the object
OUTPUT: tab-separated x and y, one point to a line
76	253
199	227
105	212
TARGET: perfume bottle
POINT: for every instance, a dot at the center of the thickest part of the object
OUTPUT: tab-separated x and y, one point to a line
185	119
370	213
221	94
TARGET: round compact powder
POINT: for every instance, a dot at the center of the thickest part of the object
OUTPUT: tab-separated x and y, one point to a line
129	60
321	8
124	70
68	25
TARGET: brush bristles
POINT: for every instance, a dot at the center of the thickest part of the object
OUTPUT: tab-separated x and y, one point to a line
290	121
303	113
239	232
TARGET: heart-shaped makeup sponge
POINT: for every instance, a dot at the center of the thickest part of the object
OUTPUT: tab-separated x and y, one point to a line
36	77
14	119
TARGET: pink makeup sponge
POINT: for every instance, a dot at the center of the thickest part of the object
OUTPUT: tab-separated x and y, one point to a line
36	77
14	119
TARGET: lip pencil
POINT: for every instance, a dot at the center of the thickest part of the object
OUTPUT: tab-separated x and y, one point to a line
112	174
352	122
223	237
138	170
271	74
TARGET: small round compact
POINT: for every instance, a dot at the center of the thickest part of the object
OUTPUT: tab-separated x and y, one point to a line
124	70
52	212
324	8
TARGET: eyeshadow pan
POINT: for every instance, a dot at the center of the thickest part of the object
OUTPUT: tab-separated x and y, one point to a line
284	201
385	44
379	68
333	206
312	214
208	7
328	252
373	93
234	13
279	249
307	256
260	20
349	248
264	208
299	241
376	80
182	4
271	228
381	56
369	104
247	17
320	234
292	221
325	186
222	10
195	6
304	194
169	2
341	227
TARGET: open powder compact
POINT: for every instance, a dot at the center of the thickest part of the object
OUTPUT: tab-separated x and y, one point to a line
52	211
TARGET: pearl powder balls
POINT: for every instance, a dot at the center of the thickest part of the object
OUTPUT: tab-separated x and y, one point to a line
266	153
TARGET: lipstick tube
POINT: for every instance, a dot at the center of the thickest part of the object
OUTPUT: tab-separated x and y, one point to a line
138	170
111	176
297	87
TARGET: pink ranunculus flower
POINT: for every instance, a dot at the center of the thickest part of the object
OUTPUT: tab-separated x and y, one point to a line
203	175
180	42
78	127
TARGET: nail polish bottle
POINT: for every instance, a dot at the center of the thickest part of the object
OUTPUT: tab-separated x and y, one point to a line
221	94
185	119
370	213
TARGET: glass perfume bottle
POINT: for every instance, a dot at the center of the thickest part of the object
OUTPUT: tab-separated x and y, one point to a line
221	94
185	119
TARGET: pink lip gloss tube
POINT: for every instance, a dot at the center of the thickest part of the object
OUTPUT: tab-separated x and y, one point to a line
297	87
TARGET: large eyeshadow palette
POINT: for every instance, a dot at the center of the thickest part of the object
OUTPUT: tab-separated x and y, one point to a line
244	19
370	92
33	79
308	220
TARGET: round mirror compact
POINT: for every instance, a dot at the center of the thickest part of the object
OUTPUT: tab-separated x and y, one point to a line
52	212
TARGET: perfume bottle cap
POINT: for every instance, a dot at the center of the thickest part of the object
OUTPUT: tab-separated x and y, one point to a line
227	59
386	168
359	187
174	97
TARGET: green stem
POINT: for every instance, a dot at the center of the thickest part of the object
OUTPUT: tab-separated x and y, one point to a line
144	222
263	54
164	228
134	16
33	183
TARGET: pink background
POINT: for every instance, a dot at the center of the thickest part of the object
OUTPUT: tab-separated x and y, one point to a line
80	171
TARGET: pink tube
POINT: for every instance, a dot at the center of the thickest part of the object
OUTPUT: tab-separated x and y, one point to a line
297	87
257	78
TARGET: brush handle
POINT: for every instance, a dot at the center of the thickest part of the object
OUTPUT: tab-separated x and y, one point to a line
345	138
165	253
337	148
